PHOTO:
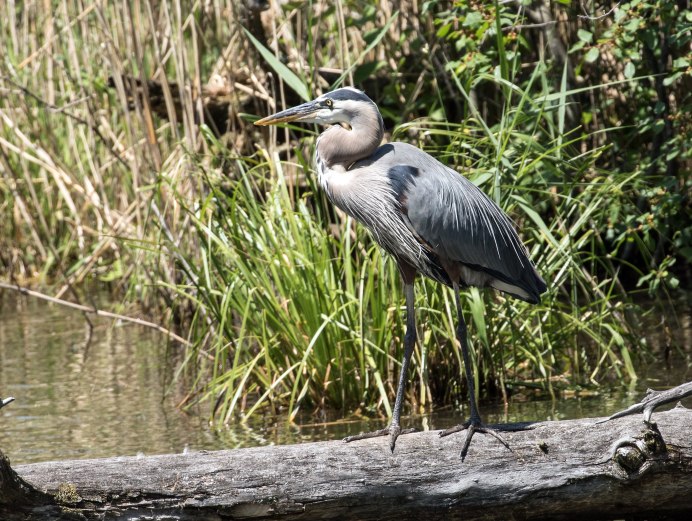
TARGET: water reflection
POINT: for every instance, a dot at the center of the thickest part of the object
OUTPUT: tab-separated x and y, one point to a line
74	401
114	396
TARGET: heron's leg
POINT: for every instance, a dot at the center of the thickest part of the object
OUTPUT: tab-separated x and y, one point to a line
394	429
409	345
474	424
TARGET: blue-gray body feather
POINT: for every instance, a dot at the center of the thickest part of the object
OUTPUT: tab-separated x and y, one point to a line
431	217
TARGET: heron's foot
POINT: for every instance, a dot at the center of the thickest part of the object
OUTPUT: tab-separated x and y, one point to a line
393	431
471	427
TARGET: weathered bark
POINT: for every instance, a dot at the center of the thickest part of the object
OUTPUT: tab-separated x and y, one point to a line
556	470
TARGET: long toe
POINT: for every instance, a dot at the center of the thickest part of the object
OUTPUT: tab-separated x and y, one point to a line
471	427
366	435
393	431
455	429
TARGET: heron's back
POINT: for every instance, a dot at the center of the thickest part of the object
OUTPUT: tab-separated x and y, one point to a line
436	220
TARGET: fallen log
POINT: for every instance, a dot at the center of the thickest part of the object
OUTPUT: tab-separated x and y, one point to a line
572	469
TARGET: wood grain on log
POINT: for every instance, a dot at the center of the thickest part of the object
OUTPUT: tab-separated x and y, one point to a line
556	470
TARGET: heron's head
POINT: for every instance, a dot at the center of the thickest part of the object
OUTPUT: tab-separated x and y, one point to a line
339	107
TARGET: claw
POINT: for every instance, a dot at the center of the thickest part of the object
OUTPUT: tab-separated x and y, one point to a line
471	427
394	431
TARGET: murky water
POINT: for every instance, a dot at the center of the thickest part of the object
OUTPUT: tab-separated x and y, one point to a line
112	396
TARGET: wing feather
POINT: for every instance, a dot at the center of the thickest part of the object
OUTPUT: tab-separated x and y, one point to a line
457	220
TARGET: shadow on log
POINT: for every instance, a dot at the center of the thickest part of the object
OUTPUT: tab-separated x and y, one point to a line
575	469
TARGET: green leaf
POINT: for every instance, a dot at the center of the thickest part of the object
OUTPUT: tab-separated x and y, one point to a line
365	71
577	46
562	108
592	55
671	79
473	19
537	220
286	74
443	31
585	36
480	178
630	69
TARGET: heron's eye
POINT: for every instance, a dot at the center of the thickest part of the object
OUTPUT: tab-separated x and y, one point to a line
329	103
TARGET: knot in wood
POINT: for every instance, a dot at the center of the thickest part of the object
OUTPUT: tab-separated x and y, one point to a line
653	440
630	458
636	455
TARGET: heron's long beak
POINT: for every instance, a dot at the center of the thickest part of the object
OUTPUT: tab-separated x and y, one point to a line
293	114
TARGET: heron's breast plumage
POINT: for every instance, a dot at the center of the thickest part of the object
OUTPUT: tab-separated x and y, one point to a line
366	194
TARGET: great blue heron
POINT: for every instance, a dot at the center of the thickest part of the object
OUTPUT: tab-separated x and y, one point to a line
430	218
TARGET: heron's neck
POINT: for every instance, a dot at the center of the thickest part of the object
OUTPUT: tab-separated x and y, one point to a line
340	147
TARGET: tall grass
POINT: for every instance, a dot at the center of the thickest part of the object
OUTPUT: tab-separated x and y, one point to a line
313	313
289	303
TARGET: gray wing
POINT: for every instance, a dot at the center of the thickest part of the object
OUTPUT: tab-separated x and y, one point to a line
457	221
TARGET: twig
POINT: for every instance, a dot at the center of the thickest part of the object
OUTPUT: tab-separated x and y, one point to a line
513	28
587	16
652	400
95	311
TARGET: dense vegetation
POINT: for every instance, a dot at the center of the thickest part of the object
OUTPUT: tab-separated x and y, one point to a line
574	116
